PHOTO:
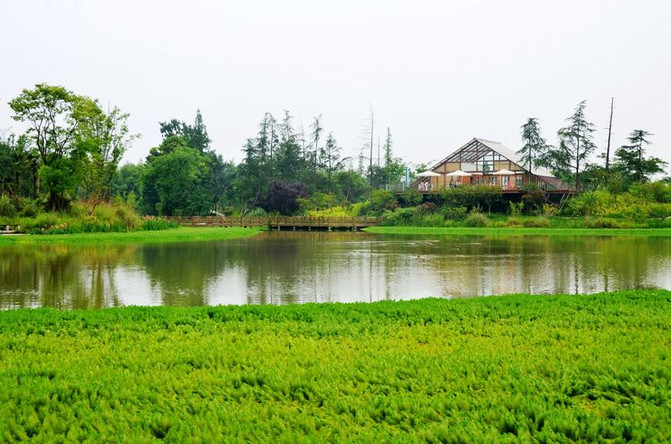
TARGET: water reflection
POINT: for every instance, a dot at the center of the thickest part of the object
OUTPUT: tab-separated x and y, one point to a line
278	268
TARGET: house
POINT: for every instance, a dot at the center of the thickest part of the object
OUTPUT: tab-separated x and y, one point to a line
483	162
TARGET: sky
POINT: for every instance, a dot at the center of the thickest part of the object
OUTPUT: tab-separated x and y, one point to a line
436	73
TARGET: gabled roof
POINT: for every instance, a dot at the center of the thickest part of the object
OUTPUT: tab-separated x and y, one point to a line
495	146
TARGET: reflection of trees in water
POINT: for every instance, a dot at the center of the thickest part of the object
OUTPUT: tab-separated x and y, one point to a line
293	267
552	264
60	276
305	267
182	272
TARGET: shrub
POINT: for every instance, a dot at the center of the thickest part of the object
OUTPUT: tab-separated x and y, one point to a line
533	200
455	213
399	216
426	207
602	222
383	200
476	220
433	220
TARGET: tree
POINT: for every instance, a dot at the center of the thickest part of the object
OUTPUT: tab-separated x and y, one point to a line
55	116
316	134
330	159
283	198
104	139
16	167
534	146
127	180
575	145
175	184
394	168
630	160
195	136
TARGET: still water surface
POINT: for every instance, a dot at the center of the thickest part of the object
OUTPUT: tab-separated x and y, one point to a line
299	267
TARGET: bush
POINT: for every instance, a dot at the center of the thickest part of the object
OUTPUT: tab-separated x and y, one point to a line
400	216
455	213
383	200
476	220
602	222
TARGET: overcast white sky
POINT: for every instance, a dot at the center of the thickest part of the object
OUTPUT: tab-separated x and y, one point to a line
436	72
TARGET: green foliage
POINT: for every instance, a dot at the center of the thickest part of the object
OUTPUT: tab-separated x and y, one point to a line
318	201
382	200
6	206
410	198
602	222
151	223
499	369
60	127
476	220
476	196
283	198
535	147
175	184
455	213
630	161
639	205
575	146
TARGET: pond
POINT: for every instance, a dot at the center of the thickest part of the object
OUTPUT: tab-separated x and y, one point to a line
301	267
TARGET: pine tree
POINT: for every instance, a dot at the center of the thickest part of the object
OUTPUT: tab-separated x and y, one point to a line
631	162
575	143
535	146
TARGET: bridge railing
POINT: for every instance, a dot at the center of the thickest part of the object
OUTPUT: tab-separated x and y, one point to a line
275	221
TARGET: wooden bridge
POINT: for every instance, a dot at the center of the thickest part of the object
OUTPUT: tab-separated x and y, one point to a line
280	222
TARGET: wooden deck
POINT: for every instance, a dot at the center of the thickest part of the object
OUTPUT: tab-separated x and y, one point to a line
280	222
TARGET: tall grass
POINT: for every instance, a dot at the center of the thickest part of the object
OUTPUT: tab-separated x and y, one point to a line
114	217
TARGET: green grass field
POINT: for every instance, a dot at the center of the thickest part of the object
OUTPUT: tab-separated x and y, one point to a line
498	369
523	231
182	234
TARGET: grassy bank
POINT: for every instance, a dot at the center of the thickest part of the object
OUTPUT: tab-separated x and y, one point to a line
522	231
182	234
546	368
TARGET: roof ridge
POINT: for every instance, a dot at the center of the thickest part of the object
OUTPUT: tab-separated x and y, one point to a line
487	140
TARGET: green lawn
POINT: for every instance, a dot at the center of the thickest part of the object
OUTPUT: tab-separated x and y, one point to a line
541	368
523	231
182	234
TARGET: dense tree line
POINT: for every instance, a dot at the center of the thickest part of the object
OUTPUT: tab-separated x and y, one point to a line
72	150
